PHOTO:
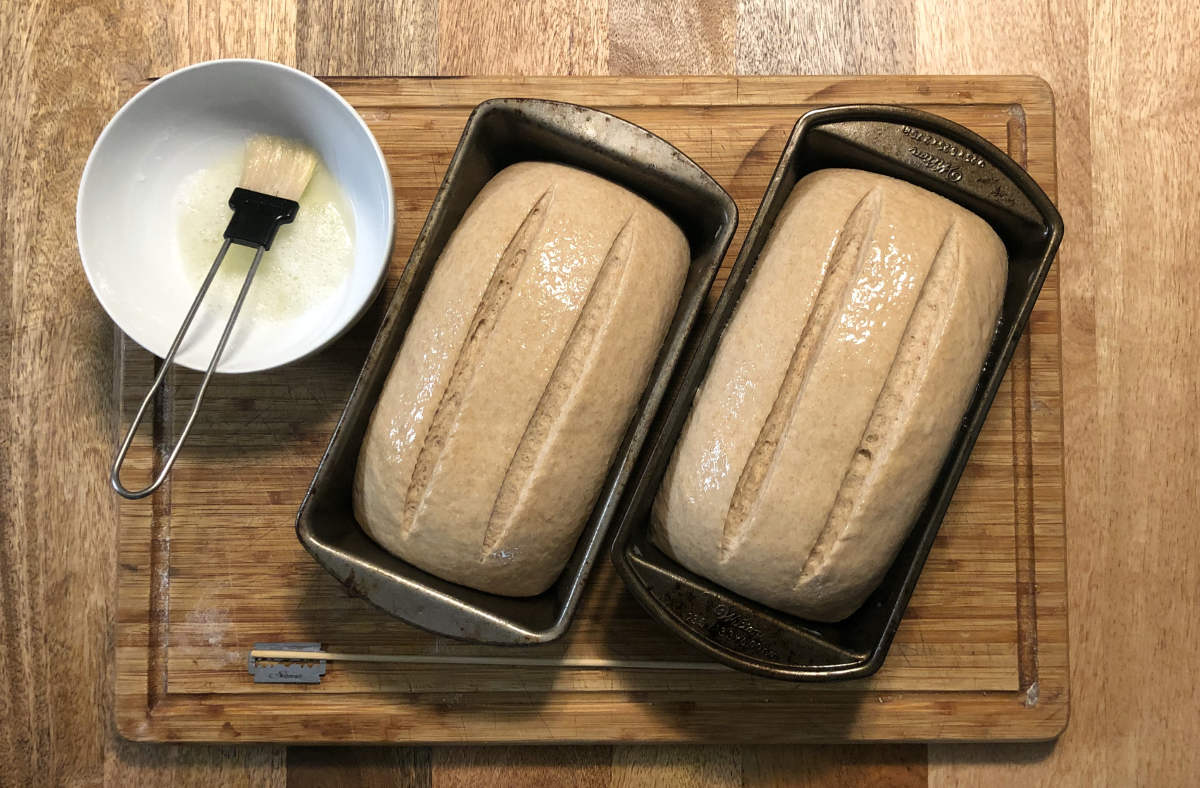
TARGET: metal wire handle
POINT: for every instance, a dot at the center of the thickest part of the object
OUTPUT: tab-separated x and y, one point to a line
115	476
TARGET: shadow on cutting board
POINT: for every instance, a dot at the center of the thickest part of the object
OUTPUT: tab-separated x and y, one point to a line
278	417
610	625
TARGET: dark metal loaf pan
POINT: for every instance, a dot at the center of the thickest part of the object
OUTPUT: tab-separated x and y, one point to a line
498	133
940	156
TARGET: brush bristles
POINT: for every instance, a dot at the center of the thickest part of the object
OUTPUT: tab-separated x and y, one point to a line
278	166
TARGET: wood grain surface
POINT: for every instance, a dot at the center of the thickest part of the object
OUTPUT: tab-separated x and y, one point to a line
210	565
1124	76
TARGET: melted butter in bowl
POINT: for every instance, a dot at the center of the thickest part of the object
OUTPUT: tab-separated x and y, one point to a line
306	267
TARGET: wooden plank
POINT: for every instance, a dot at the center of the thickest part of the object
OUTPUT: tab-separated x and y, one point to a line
550	37
362	767
65	68
369	39
211	565
702	766
700	34
468	767
835	766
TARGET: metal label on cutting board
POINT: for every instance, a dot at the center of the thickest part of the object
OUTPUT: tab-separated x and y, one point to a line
278	671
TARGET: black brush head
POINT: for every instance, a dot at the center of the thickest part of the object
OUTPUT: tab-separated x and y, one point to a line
257	217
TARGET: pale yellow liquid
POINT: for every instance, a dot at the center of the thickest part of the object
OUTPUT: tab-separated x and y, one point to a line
308	263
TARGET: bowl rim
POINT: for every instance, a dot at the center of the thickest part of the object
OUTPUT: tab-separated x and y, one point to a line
388	234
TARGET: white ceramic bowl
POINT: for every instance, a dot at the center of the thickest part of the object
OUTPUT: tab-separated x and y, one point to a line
186	121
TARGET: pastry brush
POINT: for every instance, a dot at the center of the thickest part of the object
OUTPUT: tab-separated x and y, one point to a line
275	174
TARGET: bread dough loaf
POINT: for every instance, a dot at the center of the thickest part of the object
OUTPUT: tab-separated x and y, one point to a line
834	395
518	376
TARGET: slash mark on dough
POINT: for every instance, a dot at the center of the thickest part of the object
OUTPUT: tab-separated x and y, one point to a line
894	403
495	296
844	265
533	448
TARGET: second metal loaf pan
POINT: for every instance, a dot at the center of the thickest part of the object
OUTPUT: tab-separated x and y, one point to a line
945	158
498	133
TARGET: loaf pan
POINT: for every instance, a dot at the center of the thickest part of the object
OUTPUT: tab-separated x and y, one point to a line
945	158
498	133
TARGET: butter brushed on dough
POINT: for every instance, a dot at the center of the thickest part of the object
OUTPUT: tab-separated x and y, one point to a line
834	395
518	376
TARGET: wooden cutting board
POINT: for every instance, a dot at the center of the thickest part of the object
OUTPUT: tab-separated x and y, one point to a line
210	565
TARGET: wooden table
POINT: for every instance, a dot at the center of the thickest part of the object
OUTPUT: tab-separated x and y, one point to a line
1124	76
